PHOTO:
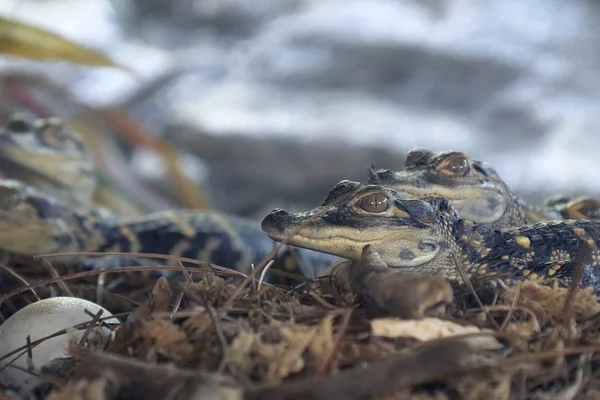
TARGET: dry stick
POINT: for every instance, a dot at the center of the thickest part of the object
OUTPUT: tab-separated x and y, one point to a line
322	367
238	290
583	257
411	367
176	304
322	302
150	381
510	310
548	354
91	273
512	307
218	329
55	274
467	282
30	366
228	271
408	368
187	275
93	322
19	277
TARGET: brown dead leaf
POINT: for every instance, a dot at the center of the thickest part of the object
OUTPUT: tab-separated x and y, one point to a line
28	41
429	329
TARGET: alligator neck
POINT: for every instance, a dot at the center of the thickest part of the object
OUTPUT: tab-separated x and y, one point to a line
469	240
515	212
91	230
466	244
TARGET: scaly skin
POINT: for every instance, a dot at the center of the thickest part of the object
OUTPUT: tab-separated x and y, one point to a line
53	211
33	223
476	190
53	159
45	155
429	237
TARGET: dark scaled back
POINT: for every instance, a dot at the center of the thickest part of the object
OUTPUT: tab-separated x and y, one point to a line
417	156
341	189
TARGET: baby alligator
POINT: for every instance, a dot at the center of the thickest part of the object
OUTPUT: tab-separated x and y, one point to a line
476	190
54	212
429	237
33	223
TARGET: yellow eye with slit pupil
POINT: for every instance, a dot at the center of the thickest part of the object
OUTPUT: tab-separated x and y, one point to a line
458	165
374	203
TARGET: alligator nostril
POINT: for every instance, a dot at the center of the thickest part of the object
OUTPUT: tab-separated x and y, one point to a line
279	212
275	220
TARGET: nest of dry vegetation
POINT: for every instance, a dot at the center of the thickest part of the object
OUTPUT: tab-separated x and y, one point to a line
218	338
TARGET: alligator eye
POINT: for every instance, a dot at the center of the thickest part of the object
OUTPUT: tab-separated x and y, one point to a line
21	122
458	166
374	203
9	197
52	134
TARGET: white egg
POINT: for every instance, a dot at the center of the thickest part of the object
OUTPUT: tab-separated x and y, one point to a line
41	319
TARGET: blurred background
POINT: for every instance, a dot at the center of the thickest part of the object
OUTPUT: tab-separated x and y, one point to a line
248	105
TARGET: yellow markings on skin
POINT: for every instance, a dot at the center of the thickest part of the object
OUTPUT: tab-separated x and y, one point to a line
212	244
486	251
579	232
591	242
226	226
504	257
131	237
533	276
529	274
554	269
482	268
184	226
523	241
177	251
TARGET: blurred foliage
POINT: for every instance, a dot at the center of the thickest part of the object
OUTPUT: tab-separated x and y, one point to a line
28	41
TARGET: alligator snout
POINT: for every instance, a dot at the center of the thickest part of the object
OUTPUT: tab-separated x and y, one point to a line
276	221
279	212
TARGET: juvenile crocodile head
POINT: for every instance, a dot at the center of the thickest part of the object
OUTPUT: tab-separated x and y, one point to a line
473	187
43	153
407	233
32	222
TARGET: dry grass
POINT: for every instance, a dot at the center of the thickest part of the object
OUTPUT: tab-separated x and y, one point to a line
214	339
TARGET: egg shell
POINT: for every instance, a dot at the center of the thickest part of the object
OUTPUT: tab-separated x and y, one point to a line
41	319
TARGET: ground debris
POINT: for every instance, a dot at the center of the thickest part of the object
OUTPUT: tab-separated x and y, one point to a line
200	339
